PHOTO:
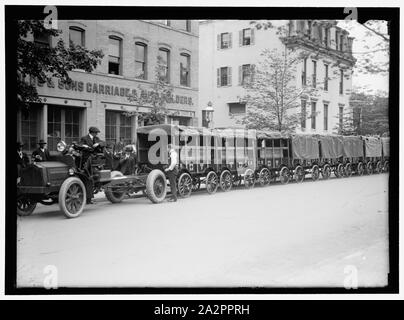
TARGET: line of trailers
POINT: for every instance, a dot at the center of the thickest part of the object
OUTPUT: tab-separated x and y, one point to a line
223	158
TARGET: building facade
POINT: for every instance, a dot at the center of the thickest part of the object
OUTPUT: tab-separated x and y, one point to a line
101	98
231	47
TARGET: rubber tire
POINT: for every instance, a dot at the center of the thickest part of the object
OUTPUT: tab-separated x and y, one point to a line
62	194
151	178
24	213
379	168
297	178
361	170
264	184
317	175
182	176
212	173
327	168
339	173
348	165
284	169
247	174
369	164
112	196
221	178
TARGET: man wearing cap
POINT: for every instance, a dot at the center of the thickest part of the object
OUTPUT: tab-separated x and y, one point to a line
172	171
91	139
22	159
127	164
42	153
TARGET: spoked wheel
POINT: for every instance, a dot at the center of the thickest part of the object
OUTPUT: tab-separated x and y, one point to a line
299	174
72	197
284	175
115	196
264	177
326	171
386	166
315	172
378	168
369	168
249	179
348	170
25	206
212	182
184	185
196	184
226	181
156	186
360	169
339	171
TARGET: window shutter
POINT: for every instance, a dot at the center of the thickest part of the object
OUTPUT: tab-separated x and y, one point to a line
240	75
218	42
230	39
240	38
218	77
229	76
252	36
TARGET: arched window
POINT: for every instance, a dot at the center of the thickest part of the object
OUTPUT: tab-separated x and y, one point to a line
76	36
185	69
115	55
140	60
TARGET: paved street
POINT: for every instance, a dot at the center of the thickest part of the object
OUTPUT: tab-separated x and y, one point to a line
296	235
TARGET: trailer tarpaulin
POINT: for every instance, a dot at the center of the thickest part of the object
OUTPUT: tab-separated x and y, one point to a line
352	146
373	147
305	147
386	146
331	146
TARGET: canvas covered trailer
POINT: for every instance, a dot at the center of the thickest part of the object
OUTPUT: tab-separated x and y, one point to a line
372	147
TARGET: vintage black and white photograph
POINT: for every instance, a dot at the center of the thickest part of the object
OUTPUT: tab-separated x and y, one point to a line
230	152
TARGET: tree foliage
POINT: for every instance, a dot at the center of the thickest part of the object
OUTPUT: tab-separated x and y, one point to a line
42	63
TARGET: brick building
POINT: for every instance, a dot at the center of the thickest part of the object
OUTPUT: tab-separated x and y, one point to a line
128	67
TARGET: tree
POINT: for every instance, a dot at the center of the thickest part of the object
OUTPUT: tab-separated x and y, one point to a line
42	62
273	96
155	97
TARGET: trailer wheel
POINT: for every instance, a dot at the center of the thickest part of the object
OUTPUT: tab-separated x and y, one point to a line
264	177
315	172
196	184
369	168
378	168
226	180
348	170
156	186
212	182
339	171
114	196
184	185
25	206
326	171
386	166
284	175
249	179
72	197
299	174
360	169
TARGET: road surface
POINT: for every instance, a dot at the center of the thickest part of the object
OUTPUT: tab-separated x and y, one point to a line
324	233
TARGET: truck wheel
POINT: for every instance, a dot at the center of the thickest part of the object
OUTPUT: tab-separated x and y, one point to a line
348	170
25	206
249	179
360	169
284	175
326	172
264	177
156	186
72	197
299	174
114	196
226	180
184	185
212	182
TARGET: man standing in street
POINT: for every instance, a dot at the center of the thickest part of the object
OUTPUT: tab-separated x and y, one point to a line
42	153
22	159
172	171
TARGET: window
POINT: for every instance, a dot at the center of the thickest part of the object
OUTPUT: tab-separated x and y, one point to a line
304	72
163	61
245	73
30	128
341	43
246	37
341	116
313	115
42	39
224	76
336	40
341	81
185	69
115	55
237	108
303	120
326	36
76	36
140	60
63	124
314	77
118	127
185	25
325	116
310	25
165	22
224	40
326	77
